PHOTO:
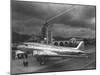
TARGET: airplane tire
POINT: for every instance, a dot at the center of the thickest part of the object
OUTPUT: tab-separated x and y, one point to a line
42	60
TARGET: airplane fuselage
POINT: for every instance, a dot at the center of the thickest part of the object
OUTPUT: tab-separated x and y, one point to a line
44	49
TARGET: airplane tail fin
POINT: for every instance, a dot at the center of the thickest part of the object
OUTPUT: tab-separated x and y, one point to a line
80	46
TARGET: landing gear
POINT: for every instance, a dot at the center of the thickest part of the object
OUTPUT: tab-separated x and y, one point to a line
42	60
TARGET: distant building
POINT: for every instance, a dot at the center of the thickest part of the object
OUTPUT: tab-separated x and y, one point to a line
73	40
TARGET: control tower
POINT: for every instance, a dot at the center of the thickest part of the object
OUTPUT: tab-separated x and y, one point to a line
46	34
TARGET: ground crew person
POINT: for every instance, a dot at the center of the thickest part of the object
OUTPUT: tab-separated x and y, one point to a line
25	63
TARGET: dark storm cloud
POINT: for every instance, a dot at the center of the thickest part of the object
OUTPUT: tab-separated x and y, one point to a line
69	31
28	26
29	17
26	9
38	10
82	16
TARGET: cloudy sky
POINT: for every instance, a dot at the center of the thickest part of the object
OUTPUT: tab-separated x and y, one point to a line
29	17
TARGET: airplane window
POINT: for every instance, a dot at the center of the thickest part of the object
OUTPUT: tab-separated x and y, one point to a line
25	44
80	53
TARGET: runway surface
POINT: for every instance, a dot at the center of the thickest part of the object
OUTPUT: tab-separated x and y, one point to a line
56	64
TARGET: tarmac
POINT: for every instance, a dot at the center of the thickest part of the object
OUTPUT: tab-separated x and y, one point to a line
56	64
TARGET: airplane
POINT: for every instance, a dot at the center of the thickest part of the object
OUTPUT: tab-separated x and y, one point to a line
43	51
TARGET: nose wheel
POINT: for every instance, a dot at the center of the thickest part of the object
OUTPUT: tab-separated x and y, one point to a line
42	60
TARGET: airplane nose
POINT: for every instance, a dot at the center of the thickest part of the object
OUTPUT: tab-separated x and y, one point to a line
20	46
